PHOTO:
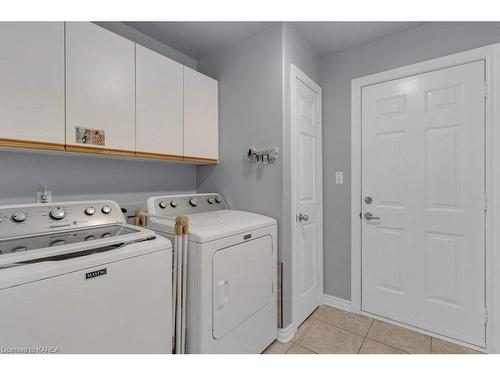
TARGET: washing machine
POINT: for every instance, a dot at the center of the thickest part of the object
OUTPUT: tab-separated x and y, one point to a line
76	278
231	266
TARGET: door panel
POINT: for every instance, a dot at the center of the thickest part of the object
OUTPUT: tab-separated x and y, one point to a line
201	115
423	165
100	87
307	186
159	103
242	283
32	81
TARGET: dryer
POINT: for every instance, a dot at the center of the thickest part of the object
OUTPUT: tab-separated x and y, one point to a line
231	281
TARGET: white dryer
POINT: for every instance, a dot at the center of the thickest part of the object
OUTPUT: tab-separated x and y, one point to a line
231	281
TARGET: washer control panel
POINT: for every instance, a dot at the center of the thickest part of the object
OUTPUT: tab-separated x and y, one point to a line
175	205
28	219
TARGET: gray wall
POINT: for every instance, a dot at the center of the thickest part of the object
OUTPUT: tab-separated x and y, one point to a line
295	51
128	181
145	40
250	115
421	43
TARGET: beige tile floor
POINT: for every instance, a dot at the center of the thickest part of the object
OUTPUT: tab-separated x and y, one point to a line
330	330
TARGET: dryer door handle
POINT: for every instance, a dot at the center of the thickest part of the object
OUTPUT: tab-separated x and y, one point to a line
222	293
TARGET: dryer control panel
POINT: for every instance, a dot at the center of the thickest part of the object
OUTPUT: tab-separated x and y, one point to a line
175	205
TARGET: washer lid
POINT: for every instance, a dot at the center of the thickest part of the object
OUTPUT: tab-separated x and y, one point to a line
209	226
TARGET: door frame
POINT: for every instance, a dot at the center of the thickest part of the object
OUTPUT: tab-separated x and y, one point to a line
295	73
491	55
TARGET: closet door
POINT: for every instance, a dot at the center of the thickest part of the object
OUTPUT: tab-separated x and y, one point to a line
159	118
100	88
32	84
201	116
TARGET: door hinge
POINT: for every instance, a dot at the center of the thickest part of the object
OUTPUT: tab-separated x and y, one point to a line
485	316
485	89
360	216
485	203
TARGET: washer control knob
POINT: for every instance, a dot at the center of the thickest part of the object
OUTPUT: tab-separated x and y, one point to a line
173	204
210	201
90	210
57	213
193	202
106	209
163	204
218	199
19	217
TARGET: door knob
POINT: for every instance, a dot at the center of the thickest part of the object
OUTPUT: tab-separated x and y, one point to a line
302	217
369	216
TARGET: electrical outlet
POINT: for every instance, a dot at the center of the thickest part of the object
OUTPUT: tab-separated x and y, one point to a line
339	178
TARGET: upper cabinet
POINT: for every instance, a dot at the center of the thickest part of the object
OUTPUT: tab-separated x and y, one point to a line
159	104
78	87
32	84
100	88
201	116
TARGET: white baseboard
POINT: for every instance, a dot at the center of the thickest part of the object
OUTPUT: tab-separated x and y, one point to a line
337	302
286	334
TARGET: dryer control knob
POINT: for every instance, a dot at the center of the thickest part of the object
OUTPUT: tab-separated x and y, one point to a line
19	217
210	201
163	204
193	202
218	199
106	209
90	211
57	213
173	204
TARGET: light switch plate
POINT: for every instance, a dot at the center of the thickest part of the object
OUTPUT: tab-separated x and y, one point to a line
339	178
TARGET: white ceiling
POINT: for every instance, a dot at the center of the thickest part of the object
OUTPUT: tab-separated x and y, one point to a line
196	39
330	37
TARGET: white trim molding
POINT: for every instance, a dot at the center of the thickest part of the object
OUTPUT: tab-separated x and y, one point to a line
337	302
286	334
491	55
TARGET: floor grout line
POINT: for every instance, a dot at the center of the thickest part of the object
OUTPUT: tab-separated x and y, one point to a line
366	335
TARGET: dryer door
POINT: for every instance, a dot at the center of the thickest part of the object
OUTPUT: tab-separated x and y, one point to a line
242	283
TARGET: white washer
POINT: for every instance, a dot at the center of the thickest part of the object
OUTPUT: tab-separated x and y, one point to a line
75	278
232	262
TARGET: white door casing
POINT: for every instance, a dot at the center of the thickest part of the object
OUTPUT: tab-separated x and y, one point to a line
423	163
307	202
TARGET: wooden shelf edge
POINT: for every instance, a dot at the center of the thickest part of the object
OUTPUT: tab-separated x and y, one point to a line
31	144
103	151
194	159
98	150
152	155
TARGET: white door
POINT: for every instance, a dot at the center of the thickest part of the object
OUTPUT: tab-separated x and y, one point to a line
159	103
423	252
201	115
32	81
307	187
100	88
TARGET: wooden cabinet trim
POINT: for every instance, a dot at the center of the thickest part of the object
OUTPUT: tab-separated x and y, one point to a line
31	144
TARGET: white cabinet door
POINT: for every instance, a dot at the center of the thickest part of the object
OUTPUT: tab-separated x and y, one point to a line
32	81
100	88
201	115
159	115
